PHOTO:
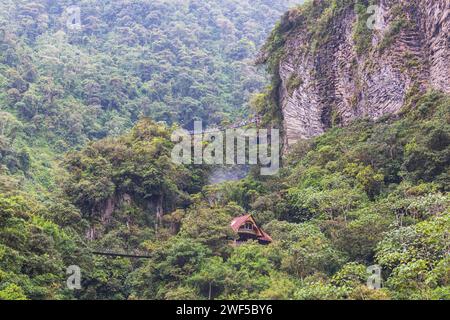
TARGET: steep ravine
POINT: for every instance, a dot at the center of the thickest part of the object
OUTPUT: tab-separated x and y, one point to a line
332	80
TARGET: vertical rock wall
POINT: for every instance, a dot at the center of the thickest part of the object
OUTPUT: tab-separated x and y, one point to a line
334	83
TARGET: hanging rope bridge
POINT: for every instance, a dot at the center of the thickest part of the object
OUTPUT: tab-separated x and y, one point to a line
111	253
236	125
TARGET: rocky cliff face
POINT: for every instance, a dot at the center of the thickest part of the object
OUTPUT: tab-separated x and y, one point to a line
332	68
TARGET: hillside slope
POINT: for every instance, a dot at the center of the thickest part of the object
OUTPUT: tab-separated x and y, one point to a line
174	61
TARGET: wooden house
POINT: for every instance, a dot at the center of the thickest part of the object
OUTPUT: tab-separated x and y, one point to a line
247	229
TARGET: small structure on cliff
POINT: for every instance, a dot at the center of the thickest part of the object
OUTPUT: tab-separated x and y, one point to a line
247	229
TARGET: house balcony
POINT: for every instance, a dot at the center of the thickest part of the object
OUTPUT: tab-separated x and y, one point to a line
247	231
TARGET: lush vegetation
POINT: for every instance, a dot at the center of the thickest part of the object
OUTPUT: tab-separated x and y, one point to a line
83	167
372	193
60	88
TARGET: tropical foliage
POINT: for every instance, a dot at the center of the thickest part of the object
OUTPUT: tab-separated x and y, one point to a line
83	167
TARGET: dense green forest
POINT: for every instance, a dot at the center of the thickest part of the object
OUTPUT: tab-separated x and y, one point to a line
85	124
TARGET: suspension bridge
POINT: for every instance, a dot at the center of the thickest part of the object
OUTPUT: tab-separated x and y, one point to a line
237	125
123	254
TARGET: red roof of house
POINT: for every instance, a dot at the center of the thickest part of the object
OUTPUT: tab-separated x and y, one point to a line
239	221
265	236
